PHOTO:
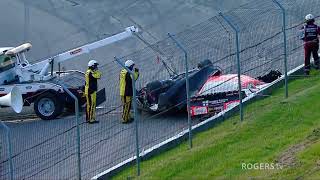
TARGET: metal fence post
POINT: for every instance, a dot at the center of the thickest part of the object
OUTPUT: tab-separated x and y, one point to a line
135	113
76	104
187	86
26	22
284	45
238	62
9	148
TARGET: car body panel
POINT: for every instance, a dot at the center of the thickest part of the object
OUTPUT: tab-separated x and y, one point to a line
171	93
210	90
221	92
228	82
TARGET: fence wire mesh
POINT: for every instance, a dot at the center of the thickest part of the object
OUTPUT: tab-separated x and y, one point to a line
295	11
48	149
44	150
4	155
110	142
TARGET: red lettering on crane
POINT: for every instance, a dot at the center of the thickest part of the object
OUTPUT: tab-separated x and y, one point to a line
76	51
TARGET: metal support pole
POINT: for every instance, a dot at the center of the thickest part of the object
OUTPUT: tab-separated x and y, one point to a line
135	113
238	62
52	66
9	148
26	21
76	104
59	69
187	86
284	46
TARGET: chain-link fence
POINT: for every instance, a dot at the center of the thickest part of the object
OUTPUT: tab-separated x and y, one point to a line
69	149
40	151
6	163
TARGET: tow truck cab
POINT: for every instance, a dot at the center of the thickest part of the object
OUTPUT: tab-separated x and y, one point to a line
7	64
48	97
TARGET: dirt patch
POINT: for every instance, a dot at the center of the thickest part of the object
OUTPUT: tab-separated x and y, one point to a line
288	158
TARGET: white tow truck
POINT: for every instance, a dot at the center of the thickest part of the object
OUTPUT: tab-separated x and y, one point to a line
38	83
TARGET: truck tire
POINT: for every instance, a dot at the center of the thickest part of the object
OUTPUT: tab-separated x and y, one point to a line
47	106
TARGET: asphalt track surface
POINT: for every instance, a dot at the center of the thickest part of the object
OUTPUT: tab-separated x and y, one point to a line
47	149
53	26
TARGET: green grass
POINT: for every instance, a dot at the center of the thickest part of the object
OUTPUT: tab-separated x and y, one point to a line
271	127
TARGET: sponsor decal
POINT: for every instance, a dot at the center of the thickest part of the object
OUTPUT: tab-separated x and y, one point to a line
199	110
76	51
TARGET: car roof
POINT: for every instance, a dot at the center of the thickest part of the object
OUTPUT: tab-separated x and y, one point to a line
4	49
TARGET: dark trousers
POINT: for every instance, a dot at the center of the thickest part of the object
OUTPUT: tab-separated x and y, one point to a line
311	48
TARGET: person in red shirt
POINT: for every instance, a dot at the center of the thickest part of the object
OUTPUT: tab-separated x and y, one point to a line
310	32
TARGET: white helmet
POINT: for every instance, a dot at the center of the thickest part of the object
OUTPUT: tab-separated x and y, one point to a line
92	63
129	63
309	17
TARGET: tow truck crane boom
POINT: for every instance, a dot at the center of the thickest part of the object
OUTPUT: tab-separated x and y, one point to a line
39	71
95	45
87	48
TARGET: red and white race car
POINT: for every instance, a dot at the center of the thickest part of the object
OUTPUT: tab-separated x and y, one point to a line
211	91
220	92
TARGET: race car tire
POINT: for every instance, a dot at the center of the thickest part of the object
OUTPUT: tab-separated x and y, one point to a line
154	85
204	63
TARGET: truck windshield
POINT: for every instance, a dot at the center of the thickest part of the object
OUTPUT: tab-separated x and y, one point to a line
6	63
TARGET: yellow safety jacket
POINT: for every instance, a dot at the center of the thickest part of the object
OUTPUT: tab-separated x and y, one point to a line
126	82
91	77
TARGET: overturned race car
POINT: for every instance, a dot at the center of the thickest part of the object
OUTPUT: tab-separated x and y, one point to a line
211	91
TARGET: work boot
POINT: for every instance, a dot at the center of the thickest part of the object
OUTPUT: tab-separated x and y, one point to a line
307	73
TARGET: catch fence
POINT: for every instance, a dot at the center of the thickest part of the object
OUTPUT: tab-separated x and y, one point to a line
70	149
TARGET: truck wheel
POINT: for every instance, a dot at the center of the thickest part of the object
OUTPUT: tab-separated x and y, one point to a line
47	106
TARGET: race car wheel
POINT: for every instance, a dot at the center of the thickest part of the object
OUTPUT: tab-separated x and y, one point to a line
204	63
47	106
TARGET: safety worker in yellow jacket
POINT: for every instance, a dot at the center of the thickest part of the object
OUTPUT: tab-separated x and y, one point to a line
92	75
126	90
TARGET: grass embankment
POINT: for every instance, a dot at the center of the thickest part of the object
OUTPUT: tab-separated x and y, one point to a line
275	130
